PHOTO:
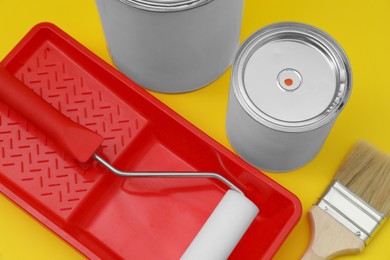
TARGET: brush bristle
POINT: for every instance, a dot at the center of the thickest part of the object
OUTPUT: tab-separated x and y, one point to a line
366	173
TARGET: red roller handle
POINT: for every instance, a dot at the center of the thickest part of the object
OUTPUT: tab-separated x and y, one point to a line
76	140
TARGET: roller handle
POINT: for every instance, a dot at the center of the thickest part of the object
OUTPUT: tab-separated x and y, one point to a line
74	139
329	238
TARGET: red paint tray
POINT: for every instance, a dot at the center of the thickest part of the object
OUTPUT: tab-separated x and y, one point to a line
104	215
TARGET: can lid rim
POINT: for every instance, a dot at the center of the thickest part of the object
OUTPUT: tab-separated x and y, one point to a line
329	45
165	5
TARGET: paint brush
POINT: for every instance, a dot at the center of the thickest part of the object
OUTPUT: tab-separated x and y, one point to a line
353	207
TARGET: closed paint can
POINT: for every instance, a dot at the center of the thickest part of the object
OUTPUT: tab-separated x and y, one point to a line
289	83
172	46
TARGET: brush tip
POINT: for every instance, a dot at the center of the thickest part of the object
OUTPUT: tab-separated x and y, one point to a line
366	173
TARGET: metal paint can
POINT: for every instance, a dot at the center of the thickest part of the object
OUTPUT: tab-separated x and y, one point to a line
172	46
289	83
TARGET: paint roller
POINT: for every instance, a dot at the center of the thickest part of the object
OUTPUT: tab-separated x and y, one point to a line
222	230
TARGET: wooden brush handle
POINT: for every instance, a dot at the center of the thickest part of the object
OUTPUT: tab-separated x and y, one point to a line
329	238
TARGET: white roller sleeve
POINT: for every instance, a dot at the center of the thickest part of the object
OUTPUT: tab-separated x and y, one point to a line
223	229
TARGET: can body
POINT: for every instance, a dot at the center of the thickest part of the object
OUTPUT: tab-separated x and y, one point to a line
268	149
172	51
289	83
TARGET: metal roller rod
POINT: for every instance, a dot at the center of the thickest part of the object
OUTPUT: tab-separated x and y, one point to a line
167	174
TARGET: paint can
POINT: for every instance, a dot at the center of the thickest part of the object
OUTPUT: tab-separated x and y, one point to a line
289	83
172	46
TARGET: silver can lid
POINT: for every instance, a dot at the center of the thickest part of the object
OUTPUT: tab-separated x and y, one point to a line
292	77
165	5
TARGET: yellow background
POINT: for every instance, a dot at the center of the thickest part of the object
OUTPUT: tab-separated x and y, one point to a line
361	27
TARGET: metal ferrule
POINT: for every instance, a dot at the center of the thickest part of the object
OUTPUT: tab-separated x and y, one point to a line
165	6
351	211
